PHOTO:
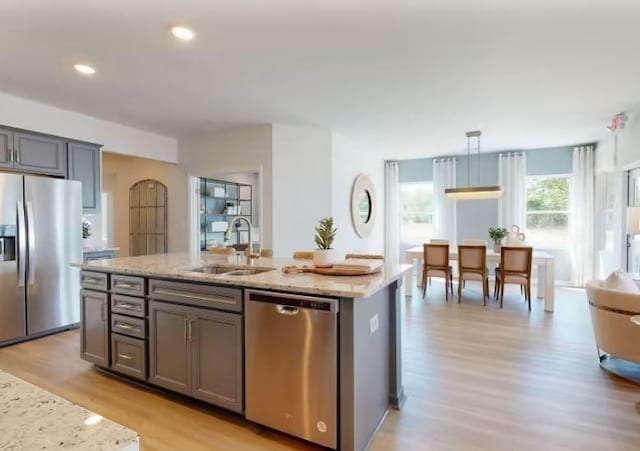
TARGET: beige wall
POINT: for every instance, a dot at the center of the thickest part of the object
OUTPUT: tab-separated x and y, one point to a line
120	172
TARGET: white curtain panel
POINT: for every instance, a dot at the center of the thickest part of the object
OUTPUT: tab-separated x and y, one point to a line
512	171
582	215
392	213
444	209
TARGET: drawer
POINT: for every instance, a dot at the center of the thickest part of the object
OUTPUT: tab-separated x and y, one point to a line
127	285
127	305
94	280
208	296
129	356
134	327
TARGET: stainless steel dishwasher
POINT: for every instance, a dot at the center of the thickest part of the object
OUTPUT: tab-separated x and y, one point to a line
291	364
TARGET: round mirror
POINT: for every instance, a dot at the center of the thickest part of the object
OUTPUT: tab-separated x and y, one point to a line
363	205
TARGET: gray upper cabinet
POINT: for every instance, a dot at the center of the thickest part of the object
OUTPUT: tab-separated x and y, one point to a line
39	154
94	340
84	166
169	364
6	142
216	371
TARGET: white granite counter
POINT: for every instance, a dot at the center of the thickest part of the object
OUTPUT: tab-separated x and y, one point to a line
32	418
180	266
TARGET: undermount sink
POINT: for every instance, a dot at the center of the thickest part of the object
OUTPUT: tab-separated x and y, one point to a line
231	270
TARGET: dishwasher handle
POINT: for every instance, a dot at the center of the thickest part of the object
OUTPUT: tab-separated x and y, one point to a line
287	310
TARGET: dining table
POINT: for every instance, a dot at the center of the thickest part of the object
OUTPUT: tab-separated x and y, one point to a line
544	262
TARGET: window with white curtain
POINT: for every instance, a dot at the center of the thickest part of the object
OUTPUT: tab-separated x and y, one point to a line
547	211
417	212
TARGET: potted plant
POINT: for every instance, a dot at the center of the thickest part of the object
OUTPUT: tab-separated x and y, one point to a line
497	234
325	234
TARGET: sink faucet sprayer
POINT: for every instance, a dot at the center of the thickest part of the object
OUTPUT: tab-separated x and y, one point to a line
227	234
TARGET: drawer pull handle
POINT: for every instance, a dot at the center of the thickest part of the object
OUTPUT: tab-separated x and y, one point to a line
91	280
182	294
128	286
127	327
127	306
126	356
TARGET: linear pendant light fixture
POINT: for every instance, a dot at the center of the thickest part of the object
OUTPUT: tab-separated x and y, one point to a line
473	192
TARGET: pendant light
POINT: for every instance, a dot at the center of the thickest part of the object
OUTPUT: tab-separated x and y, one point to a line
473	192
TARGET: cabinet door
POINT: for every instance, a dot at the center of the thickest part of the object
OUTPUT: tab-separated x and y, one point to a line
6	142
39	154
94	342
169	363
216	344
84	166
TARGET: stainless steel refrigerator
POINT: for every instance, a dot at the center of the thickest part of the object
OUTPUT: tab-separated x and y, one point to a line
40	236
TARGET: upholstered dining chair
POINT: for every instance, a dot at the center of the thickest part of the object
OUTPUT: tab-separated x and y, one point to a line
303	255
365	256
436	264
268	253
515	268
472	265
441	241
222	251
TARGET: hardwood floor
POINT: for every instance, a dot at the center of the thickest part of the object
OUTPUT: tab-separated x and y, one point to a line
476	378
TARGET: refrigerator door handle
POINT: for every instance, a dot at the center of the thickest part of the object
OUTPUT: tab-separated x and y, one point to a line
22	244
32	245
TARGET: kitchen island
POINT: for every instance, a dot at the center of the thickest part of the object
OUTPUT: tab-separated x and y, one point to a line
188	323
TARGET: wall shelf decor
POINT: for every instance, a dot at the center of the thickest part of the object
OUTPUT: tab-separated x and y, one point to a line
220	202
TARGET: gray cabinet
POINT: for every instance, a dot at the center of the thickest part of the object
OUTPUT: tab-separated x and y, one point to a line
94	340
168	346
84	166
90	256
6	142
197	352
39	154
216	345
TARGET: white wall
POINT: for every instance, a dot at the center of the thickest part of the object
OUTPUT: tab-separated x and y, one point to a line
39	117
302	174
238	149
349	159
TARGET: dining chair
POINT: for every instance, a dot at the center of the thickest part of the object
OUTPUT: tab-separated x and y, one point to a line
436	264
268	253
472	265
515	268
441	241
365	256
222	251
303	255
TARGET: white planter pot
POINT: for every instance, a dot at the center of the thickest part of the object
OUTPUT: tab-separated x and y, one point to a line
496	247
323	258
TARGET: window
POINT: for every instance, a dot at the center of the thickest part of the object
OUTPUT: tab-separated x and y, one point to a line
417	212
548	211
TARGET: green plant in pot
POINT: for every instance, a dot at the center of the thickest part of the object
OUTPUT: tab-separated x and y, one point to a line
497	234
324	255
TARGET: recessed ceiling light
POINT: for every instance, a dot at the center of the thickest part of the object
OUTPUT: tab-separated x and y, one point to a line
84	69
183	33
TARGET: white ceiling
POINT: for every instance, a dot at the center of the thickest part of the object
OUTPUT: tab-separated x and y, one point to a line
406	76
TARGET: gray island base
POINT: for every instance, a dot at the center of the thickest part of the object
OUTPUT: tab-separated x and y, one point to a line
165	321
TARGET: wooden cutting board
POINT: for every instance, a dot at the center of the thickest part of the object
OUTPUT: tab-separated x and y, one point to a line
330	271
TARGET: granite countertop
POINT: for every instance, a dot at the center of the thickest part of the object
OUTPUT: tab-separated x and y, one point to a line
99	249
32	418
180	265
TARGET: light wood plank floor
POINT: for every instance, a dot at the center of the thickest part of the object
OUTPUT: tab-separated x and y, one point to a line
476	378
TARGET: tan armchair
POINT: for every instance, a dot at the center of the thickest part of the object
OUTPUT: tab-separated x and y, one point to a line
611	312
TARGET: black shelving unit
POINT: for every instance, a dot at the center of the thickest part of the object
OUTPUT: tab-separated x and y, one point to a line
220	202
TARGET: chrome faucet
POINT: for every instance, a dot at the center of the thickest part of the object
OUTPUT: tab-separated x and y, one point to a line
227	235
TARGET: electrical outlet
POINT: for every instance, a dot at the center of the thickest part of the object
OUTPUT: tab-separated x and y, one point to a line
373	324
